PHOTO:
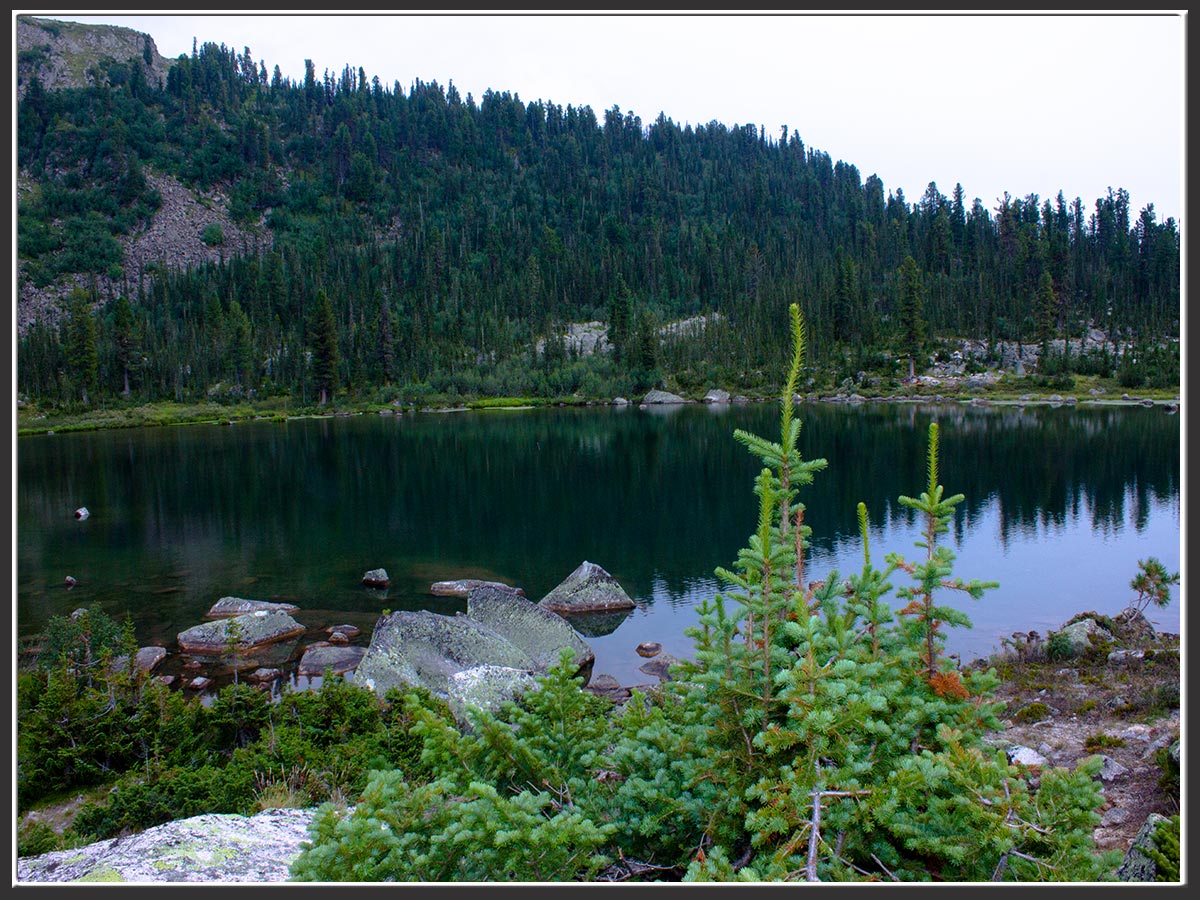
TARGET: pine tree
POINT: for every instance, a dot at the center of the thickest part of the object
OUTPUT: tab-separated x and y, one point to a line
324	343
82	355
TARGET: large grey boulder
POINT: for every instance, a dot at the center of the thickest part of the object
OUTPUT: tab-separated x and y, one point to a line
716	395
214	849
424	649
657	397
534	629
588	589
228	607
256	629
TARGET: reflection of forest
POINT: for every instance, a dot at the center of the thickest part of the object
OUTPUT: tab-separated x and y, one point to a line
659	501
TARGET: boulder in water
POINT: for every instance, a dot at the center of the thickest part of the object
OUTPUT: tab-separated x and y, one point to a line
588	589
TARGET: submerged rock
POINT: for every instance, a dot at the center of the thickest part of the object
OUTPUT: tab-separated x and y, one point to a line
460	587
256	629
339	660
588	589
227	607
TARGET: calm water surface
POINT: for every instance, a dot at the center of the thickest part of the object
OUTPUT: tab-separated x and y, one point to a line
1061	504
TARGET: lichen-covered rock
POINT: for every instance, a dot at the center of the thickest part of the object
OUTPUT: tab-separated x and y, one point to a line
716	395
215	849
228	607
485	687
425	649
588	589
339	660
658	397
539	632
1078	635
1137	865
256	629
460	587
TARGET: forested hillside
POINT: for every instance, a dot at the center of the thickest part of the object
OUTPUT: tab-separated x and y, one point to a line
394	241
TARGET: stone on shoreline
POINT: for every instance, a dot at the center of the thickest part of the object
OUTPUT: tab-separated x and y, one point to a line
539	632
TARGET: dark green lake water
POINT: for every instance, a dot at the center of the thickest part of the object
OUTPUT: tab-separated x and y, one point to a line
1061	504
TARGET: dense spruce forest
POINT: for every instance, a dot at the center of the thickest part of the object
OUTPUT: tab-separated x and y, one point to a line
413	242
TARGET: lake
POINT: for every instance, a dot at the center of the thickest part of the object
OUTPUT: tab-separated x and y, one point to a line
1061	503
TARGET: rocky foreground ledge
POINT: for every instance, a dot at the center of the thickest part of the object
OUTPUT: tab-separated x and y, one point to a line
213	849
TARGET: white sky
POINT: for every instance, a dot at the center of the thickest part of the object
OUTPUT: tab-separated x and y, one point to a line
1023	103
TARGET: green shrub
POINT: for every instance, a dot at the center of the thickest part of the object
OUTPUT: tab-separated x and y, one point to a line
36	838
1034	712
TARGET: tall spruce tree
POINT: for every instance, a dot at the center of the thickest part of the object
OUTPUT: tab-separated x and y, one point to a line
324	345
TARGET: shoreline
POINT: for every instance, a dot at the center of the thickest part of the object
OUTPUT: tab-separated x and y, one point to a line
30	422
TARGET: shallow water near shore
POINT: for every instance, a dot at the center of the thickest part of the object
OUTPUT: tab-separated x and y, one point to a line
1060	505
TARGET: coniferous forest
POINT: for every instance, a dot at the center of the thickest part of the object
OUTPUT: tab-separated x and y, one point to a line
412	241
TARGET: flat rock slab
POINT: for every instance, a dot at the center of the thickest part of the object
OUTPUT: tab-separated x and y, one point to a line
539	632
216	849
588	589
255	629
461	587
338	659
228	607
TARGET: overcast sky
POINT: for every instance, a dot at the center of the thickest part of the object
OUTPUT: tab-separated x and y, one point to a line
1028	104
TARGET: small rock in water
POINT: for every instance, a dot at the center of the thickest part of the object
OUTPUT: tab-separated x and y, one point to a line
70	581
82	513
376	578
350	631
648	649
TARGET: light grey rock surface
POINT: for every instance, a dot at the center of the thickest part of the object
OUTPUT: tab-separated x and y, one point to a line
215	849
485	687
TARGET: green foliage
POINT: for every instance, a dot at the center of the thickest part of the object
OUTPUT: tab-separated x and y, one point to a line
486	224
1034	712
1153	584
36	838
511	800
213	235
1165	852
